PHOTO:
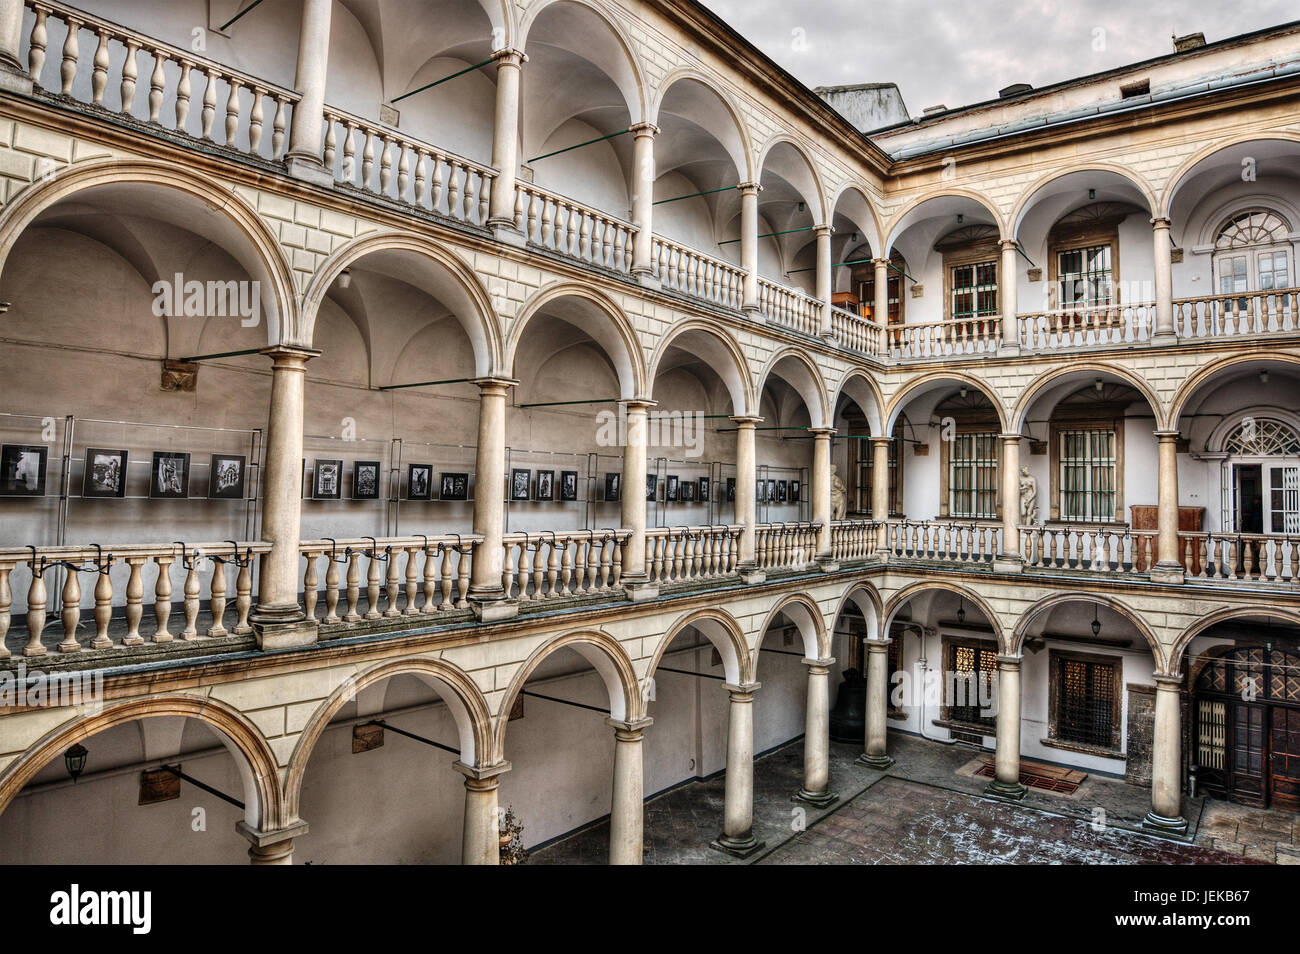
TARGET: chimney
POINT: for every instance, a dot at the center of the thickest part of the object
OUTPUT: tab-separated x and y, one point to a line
1015	89
1191	41
931	110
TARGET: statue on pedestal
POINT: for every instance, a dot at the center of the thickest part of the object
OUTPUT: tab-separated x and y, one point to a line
1028	498
839	495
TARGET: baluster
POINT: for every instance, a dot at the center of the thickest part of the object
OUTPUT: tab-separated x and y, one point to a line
243	599
157	84
571	227
453	189
6	608
421	176
103	607
162	598
430	581
217	599
446	603
99	78
584	237
372	585
412	580
331	142
70	605
553	567
368	159
134	602
39	40
539	571
183	92
462	579
353	587
209	103
255	118
280	123
403	170
36	603
437	181
394	584
385	164
521	571
71	53
232	110
310	584
332	592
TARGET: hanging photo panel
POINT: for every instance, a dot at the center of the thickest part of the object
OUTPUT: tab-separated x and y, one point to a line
327	480
365	479
612	482
568	485
105	474
226	476
520	483
22	470
169	475
454	487
419	482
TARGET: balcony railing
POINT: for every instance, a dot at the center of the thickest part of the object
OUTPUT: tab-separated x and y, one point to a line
856	332
947	540
572	229
691	554
950	337
548	565
789	308
692	273
785	546
1081	327
112	56
1228	316
1094	548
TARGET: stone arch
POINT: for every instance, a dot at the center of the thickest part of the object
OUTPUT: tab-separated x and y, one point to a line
721	629
916	385
1223	615
1038	385
606	655
899	599
741	150
474	309
462	696
809	384
1026	200
801	610
874	602
866	395
726	359
1211	370
899	219
616	337
260	254
817	200
873	227
1048	603
263	802
1175	181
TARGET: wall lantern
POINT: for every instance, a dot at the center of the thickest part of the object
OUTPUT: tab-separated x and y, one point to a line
961	610
75	760
1263	376
960	218
802	207
1096	621
345	279
1092	193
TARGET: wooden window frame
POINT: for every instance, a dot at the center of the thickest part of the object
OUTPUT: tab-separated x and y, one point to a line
949	646
979	253
945	471
1055	658
1069	238
1066	422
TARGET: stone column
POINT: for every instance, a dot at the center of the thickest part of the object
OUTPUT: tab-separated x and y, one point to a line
737	836
485	592
1166	813
626	807
1006	782
643	194
271	847
746	513
1165	332
505	146
1169	569
1008	288
880	489
875	752
817	736
880	307
635	579
307	132
278	619
1008	559
13	73
821	491
824	276
749	243
480	837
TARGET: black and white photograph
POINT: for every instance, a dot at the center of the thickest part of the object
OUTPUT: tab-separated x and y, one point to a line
671	488
545	485
521	480
454	487
169	475
731	490
105	473
705	491
612	486
419	482
782	491
327	479
226	476
794	491
365	479
568	485
769	494
760	492
651	487
687	489
22	470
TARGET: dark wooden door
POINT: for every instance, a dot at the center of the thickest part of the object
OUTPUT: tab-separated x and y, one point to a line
1248	769
1284	757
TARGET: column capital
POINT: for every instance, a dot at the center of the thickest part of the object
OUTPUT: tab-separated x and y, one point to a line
822	664
877	645
1008	661
1160	222
1168	436
482	773
629	730
510	57
744	692
749	188
263	839
1168	682
649	130
492	382
824	229
290	355
1010	436
638	403
880	440
880	262
821	431
746	420
1008	245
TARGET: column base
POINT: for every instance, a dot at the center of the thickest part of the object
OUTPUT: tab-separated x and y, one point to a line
827	564
816	799
488	607
1008	349
638	591
1008	564
751	574
741	847
645	277
754	313
830	339
1167	573
14	79
877	762
1159	824
283	628
309	169
1161	338
503	230
1007	791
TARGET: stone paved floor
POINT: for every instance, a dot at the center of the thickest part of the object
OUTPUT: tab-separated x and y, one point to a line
1256	833
925	809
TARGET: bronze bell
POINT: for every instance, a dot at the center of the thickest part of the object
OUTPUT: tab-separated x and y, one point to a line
849	716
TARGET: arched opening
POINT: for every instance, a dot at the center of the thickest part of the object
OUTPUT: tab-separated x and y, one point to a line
789	208
792	401
857	420
853	275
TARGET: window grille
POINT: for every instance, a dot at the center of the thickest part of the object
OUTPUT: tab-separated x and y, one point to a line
973	475
975	290
1084	277
1088	475
973	668
1086	706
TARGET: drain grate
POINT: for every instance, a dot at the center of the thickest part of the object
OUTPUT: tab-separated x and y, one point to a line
1044	777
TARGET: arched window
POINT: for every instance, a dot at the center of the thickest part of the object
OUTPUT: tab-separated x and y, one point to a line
1263	437
1262	477
1252	253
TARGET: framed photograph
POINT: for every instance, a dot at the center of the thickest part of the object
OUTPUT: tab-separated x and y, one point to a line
225	476
521	481
794	491
327	479
545	485
106	473
169	475
568	485
419	482
22	470
688	488
704	489
760	492
651	487
612	486
673	490
731	490
782	491
454	487
771	490
365	479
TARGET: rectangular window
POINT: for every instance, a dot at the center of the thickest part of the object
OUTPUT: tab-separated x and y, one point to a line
1085	278
1284	500
972	671
1088	475
973	475
893	298
1272	270
1086	705
975	290
866	471
1233	275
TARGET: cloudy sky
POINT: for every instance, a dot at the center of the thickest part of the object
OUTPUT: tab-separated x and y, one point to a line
955	52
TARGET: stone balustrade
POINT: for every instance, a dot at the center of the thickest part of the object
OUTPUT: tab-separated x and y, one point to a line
572	229
689	554
693	273
550	564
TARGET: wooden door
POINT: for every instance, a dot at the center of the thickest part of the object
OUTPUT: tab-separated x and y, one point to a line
1247	754
1284	757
